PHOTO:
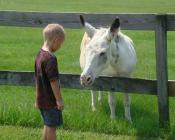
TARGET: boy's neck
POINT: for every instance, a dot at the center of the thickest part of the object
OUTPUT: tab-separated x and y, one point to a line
46	47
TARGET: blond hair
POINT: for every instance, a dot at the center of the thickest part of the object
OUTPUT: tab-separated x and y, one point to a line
52	31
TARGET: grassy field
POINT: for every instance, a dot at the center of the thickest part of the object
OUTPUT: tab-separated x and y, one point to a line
90	5
20	45
23	133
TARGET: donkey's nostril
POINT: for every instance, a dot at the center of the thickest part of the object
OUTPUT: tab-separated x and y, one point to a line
88	79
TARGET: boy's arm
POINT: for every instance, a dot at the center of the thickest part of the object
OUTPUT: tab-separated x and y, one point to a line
36	105
36	87
57	94
52	74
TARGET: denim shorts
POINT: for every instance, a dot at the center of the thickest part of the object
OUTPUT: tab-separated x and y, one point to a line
52	117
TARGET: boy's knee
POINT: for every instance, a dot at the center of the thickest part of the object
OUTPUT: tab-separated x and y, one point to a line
51	128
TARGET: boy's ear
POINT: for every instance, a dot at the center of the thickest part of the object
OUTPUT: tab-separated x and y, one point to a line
56	39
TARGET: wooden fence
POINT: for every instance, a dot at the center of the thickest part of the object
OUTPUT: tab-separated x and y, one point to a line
161	87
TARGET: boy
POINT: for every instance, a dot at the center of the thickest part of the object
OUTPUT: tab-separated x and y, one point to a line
49	99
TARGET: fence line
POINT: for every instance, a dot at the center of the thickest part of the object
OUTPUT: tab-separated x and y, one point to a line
71	20
154	22
115	84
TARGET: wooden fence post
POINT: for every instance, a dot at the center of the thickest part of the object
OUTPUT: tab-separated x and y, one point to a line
162	74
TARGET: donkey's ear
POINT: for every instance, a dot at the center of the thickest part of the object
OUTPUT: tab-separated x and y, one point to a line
89	29
82	20
114	29
115	25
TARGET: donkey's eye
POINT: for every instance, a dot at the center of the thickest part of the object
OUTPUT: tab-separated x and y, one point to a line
102	53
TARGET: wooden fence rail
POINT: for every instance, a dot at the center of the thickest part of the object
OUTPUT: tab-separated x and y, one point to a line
154	22
115	84
71	20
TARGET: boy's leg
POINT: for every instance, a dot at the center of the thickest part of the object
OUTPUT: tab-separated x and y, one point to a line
51	133
52	119
44	136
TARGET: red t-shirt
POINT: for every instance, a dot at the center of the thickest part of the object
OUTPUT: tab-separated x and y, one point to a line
45	71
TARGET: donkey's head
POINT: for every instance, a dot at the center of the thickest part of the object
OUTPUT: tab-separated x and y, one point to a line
99	50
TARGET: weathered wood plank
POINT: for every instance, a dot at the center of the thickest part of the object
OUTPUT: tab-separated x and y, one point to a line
171	22
17	78
171	88
115	84
72	81
161	68
109	83
71	20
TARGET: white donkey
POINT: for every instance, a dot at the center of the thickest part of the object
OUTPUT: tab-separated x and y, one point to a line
106	52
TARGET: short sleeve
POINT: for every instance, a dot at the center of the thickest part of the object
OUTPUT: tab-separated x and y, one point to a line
51	69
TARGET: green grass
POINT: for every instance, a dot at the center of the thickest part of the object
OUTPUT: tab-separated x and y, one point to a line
18	47
104	6
17	109
18	53
26	133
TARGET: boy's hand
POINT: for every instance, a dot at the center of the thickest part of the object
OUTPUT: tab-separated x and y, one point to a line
60	104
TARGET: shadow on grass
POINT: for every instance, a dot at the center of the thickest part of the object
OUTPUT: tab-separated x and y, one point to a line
144	116
145	122
171	135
